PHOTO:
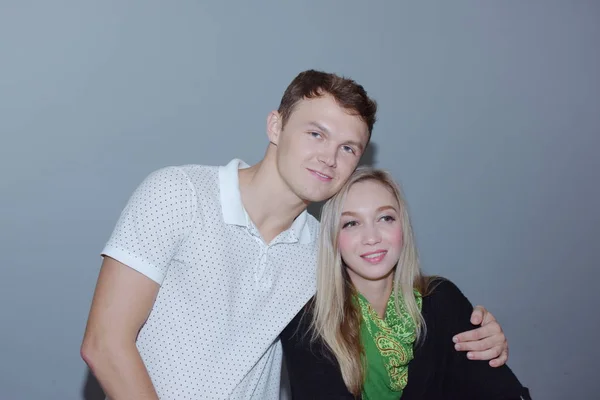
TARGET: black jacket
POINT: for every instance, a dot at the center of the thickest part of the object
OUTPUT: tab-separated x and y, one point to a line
437	371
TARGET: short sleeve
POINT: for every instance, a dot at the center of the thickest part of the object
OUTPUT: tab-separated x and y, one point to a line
157	218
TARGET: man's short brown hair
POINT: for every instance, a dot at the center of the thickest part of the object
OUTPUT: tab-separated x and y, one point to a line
348	94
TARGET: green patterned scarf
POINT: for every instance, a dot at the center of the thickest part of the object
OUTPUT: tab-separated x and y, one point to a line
388	345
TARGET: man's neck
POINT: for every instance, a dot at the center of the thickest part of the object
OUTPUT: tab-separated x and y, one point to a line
271	205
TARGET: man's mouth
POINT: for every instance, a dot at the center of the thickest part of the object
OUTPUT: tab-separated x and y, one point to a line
320	176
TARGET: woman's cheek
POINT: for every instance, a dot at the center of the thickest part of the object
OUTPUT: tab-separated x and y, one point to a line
344	242
397	237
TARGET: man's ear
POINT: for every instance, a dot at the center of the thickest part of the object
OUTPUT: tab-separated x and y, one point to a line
274	126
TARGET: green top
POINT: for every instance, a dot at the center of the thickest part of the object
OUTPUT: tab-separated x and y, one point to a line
388	345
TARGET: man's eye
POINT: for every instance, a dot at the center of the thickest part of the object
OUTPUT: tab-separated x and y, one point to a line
348	149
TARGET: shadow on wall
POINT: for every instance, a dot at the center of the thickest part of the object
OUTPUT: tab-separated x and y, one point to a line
368	159
91	388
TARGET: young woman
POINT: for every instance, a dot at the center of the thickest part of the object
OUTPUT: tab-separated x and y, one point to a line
378	329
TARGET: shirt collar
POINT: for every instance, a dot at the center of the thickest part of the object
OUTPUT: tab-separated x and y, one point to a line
231	200
233	210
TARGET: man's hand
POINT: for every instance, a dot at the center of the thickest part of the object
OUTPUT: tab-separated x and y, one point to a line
486	342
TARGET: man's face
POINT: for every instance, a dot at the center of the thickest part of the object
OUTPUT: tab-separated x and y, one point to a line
319	147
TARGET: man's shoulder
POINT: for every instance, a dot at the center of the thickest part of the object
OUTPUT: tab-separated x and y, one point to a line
173	172
198	176
201	182
199	170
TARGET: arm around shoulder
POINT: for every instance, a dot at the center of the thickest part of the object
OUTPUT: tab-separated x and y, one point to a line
471	379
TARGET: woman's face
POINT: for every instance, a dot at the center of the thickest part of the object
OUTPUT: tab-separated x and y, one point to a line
370	239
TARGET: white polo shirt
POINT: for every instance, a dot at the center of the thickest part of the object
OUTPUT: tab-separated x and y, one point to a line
225	295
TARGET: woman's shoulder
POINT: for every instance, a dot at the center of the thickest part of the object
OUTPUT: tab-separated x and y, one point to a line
441	292
439	285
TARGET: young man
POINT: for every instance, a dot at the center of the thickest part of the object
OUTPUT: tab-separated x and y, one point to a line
207	265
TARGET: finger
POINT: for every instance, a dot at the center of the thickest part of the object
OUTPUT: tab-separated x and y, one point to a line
479	333
485	355
481	345
488	317
478	315
500	361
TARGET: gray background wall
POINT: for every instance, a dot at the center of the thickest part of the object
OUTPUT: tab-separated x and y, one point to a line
489	116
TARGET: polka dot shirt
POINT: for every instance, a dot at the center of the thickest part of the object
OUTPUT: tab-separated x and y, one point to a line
225	295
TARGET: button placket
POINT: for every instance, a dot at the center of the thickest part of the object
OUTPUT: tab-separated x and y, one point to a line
261	263
261	276
261	266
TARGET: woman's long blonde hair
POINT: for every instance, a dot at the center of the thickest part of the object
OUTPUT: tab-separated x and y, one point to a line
336	319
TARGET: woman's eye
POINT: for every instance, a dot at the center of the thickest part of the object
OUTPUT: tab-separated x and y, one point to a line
388	218
315	134
349	224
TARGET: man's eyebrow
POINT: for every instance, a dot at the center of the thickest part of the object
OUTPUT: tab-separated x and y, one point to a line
318	126
322	128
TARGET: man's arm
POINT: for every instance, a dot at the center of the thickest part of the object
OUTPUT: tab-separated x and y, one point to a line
122	302
468	379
